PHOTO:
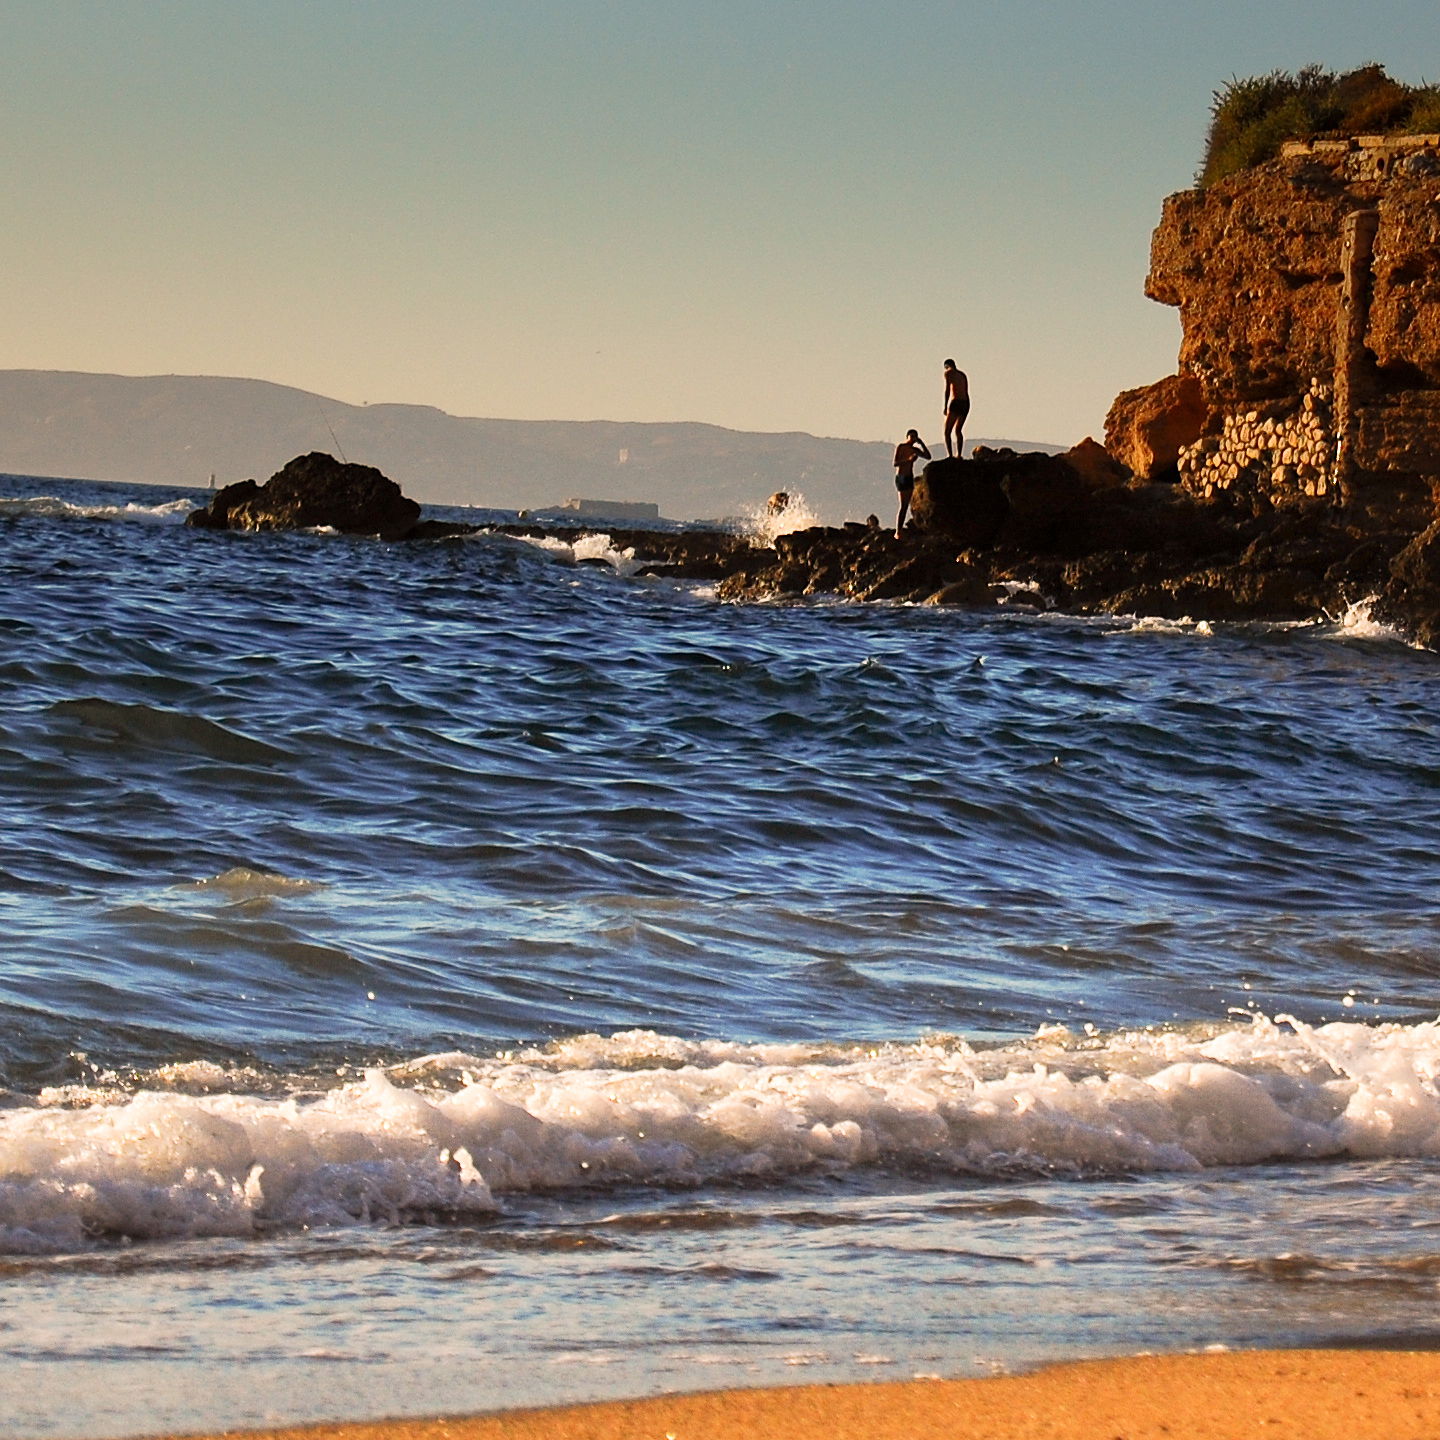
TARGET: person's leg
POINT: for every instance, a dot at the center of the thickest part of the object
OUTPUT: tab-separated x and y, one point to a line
949	431
903	510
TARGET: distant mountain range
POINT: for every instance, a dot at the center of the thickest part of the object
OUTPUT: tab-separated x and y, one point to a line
181	429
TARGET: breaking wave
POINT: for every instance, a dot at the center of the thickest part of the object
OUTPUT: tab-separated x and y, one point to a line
447	1136
51	507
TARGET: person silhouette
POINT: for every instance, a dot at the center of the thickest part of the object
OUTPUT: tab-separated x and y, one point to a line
907	452
957	407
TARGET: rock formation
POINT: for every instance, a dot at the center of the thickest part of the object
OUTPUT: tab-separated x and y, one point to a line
1289	468
1147	429
1309	298
314	491
1309	368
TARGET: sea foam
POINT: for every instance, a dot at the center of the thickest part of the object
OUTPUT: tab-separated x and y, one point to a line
442	1136
587	547
51	507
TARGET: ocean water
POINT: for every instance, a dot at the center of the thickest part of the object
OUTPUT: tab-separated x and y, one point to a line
453	976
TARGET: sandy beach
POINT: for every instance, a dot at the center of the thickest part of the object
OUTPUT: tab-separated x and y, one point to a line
1317	1394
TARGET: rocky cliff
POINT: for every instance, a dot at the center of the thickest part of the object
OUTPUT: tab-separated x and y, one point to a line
1309	297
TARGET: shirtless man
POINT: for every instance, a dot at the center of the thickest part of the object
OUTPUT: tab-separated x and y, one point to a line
907	452
957	407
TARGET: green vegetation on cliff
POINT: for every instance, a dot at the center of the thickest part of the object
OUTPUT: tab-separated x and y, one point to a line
1252	118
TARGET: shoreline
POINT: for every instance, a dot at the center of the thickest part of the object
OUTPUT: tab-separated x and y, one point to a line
1342	1394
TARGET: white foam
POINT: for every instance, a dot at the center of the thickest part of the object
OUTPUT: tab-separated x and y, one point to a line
586	547
1358	623
165	1165
761	525
52	507
443	1133
1159	625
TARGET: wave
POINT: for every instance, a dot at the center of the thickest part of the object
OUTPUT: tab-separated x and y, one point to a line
589	548
447	1136
51	507
148	727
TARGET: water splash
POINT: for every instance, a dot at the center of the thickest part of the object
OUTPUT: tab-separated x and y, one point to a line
1358	623
588	548
763	522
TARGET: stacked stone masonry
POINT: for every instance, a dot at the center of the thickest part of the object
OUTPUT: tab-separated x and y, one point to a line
1371	157
1283	451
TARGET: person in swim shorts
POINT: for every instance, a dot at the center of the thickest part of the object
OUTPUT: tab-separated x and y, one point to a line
957	407
907	452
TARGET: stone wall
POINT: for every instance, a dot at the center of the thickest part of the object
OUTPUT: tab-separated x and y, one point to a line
1282	451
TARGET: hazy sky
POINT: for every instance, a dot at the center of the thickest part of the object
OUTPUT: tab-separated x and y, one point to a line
772	216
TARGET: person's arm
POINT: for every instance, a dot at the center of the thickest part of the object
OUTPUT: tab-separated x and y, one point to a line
924	449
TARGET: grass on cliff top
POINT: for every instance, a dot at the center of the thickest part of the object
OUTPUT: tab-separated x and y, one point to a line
1250	119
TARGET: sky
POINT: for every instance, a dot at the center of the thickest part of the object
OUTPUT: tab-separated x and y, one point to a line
769	216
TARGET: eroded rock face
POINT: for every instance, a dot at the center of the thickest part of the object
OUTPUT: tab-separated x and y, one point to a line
1253	265
1309	298
1148	427
314	491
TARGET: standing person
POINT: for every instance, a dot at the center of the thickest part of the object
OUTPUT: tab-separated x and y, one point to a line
957	407
907	452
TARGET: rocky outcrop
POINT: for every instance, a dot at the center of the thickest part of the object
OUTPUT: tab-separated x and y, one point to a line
314	491
1147	428
1309	297
963	499
860	563
1287	471
1003	528
1412	596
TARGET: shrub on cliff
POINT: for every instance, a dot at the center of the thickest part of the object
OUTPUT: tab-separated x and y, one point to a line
1251	118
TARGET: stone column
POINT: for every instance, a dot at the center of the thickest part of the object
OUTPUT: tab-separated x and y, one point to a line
1357	248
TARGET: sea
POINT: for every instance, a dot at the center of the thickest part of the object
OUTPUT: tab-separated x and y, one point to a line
451	976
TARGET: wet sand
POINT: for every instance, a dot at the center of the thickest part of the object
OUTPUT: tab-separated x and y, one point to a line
1252	1395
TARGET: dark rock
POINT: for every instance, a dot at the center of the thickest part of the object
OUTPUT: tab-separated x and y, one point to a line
216	515
439	530
900	582
315	491
1046	497
972	587
1412	598
961	499
1417	566
1095	465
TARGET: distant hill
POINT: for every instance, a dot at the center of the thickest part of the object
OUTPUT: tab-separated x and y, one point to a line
181	429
